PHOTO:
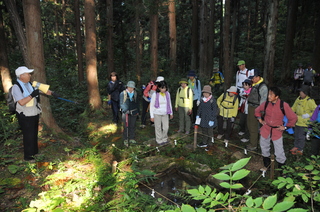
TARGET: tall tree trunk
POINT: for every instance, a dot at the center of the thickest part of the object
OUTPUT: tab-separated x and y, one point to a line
56	22
271	42
154	38
138	40
221	37
235	5
64	27
32	17
91	57
290	33
78	41
18	28
195	36
226	45
210	39
110	57
203	53
172	35
316	48
4	63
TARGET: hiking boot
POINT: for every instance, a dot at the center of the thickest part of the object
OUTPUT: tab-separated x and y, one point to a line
202	144
241	133
250	148
126	143
187	132
132	141
142	126
244	140
293	149
179	131
219	136
297	152
263	169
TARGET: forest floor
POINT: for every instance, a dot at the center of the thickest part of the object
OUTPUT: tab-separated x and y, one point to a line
22	183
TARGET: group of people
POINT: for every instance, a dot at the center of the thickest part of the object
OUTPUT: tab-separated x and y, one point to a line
263	115
303	76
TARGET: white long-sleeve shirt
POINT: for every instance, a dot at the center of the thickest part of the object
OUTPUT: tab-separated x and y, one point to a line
162	110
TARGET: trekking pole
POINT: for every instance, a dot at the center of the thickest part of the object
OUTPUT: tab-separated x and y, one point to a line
67	100
195	137
127	126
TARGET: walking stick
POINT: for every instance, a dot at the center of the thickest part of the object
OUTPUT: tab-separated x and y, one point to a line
127	124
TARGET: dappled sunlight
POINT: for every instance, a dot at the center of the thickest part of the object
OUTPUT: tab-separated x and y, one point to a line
73	184
109	128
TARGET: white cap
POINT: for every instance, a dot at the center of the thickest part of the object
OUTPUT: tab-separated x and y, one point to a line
22	70
232	89
159	79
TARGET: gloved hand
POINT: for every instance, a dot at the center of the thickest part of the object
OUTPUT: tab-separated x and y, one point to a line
232	119
290	131
109	102
198	102
55	95
211	123
308	137
305	116
149	98
34	93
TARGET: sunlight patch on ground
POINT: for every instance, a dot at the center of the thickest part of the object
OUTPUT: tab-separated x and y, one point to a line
110	128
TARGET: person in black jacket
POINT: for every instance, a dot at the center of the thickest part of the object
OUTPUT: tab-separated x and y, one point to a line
114	88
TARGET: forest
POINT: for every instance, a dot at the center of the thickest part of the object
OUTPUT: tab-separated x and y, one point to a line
73	46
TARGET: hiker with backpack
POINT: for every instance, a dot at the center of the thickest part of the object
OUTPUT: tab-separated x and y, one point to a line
271	119
114	88
297	78
207	116
258	95
195	85
183	104
160	112
129	104
146	98
243	109
27	109
242	74
303	107
228	105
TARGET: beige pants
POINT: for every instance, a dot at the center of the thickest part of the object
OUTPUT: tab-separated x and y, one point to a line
161	127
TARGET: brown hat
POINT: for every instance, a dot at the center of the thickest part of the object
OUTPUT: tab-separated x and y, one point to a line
207	89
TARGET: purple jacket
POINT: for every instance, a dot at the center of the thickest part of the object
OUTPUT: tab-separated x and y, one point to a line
315	114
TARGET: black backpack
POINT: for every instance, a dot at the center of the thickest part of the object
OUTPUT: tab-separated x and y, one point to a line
10	100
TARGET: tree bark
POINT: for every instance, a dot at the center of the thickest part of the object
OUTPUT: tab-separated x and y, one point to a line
78	41
203	53
290	34
110	55
32	17
154	38
233	34
4	63
139	44
18	28
316	48
172	35
91	57
270	42
195	36
211	36
226	45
